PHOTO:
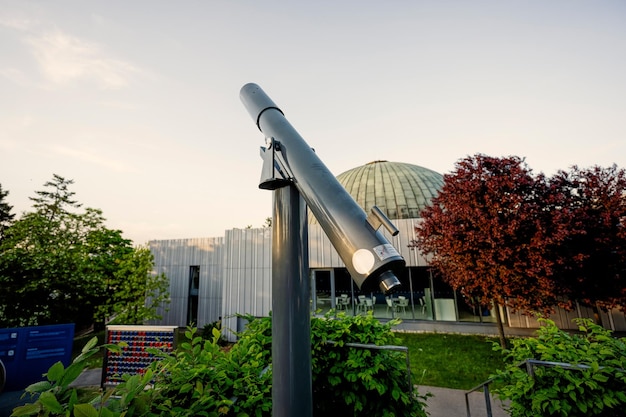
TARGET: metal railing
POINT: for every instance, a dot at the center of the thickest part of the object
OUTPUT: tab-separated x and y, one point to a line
485	387
530	365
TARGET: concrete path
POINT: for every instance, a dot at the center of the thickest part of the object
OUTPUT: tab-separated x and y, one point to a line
445	402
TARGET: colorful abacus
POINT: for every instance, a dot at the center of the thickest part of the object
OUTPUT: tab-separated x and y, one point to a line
134	357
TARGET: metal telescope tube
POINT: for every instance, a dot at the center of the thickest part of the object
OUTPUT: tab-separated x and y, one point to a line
367	254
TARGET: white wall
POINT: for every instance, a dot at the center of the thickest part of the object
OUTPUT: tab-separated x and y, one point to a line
174	258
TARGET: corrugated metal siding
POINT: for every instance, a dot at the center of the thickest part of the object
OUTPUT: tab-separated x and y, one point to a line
322	254
615	320
235	276
174	258
247	275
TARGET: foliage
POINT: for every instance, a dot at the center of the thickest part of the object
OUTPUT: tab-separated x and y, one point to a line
588	208
207	332
43	266
6	217
484	223
346	380
355	381
597	389
60	264
202	378
55	396
137	293
500	234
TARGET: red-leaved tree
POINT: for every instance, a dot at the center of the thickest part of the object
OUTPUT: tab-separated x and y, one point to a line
499	234
484	234
588	248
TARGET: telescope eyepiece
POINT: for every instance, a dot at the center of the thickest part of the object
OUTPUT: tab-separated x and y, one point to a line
388	282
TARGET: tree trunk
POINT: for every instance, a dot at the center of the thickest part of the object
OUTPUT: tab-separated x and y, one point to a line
503	341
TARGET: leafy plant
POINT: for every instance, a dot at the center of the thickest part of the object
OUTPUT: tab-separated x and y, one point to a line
596	387
360	381
207	332
202	378
55	396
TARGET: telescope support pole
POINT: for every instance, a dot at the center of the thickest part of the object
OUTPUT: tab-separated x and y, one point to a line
292	393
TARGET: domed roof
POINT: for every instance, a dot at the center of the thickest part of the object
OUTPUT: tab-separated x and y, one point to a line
400	190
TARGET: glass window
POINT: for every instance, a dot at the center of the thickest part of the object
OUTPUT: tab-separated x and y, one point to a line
194	287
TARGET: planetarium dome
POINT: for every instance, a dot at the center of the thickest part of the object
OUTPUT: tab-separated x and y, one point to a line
400	190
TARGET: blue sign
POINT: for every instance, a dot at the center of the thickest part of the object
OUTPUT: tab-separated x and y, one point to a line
28	352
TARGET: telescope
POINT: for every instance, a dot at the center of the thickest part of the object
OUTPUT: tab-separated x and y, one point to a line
369	257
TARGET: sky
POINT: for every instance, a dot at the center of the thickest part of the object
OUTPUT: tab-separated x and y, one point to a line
138	101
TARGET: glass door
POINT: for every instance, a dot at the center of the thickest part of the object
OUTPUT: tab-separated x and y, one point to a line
323	290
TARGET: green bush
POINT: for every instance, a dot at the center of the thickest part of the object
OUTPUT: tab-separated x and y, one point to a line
202	378
597	388
207	332
354	381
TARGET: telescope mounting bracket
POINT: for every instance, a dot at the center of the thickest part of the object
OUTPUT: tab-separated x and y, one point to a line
274	174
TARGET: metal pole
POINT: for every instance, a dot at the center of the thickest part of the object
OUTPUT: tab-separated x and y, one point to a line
487	400
292	393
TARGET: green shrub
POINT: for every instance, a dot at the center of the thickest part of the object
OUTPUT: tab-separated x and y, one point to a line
598	388
353	381
202	378
207	332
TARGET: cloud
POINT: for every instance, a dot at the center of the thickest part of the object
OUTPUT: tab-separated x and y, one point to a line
13	22
15	76
64	59
93	156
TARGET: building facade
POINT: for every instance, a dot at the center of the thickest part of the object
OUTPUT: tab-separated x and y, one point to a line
222	278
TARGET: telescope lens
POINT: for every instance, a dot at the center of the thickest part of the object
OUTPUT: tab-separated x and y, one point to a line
388	282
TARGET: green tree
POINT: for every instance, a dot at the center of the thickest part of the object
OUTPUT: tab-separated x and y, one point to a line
42	262
106	250
137	292
6	217
60	264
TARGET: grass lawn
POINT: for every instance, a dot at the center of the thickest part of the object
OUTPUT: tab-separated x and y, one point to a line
451	360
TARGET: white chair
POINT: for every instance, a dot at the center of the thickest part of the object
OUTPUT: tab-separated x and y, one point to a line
403	303
360	303
345	301
369	305
422	305
390	305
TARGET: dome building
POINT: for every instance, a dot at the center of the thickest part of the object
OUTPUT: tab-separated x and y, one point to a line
400	190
